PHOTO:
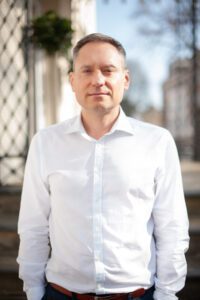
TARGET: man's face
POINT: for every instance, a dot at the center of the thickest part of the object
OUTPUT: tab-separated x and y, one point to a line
99	77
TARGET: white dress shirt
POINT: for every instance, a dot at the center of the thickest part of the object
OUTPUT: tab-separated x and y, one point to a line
103	216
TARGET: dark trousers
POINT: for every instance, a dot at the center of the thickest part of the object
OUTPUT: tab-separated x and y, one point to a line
52	294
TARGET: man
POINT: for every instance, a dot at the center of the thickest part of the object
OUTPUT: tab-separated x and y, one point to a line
103	212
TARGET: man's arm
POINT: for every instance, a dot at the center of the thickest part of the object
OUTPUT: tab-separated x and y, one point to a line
33	226
171	224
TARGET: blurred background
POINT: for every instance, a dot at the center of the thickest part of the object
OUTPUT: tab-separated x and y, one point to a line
162	41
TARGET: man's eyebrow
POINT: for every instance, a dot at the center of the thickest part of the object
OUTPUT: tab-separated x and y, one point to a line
85	67
109	66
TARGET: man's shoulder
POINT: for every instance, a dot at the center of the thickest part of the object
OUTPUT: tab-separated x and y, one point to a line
58	128
144	127
55	131
150	133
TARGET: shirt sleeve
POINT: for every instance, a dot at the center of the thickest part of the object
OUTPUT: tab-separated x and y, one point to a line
171	224
33	225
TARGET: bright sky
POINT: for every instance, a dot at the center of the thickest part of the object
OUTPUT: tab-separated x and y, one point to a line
114	18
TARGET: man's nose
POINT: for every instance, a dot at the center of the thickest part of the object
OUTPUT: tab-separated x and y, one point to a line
98	78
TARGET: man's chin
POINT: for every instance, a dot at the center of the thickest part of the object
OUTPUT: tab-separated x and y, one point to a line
103	109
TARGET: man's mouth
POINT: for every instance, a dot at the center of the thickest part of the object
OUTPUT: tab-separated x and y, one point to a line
98	94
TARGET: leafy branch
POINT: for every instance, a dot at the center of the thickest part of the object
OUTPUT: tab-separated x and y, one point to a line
51	33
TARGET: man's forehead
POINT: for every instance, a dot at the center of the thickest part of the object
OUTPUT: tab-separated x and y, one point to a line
103	65
98	65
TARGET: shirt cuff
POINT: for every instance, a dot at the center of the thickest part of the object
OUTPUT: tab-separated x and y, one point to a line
162	295
35	293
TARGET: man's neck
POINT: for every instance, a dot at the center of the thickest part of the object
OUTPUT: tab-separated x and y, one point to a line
97	125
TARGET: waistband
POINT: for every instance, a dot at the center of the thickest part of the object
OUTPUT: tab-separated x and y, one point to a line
91	296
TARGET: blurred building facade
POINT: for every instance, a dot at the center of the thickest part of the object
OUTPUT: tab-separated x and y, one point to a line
35	91
178	106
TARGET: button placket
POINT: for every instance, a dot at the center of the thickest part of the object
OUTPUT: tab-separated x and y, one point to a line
97	215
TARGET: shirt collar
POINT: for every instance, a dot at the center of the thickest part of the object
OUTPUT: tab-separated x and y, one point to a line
74	125
122	124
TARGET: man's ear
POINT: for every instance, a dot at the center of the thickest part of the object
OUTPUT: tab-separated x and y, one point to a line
71	79
126	80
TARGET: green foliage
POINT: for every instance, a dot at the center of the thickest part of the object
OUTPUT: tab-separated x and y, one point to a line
51	33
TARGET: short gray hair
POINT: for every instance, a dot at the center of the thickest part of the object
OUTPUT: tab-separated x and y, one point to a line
98	37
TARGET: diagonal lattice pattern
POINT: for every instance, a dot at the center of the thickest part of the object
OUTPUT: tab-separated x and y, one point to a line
13	92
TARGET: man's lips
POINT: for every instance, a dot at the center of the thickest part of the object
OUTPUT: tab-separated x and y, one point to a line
98	94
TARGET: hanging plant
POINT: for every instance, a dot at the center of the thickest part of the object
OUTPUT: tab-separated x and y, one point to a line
51	33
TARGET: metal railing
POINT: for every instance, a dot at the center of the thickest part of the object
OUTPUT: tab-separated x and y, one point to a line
13	92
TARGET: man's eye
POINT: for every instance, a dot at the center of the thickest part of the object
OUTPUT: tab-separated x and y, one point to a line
107	71
86	71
